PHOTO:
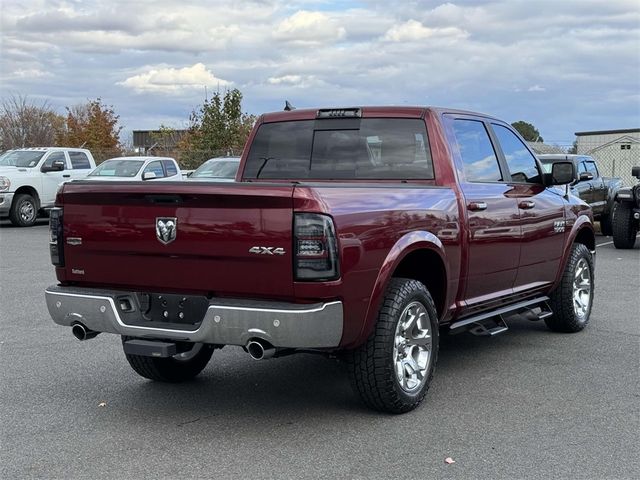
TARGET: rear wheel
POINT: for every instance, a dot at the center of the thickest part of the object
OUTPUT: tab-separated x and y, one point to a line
625	228
24	210
178	368
392	370
571	301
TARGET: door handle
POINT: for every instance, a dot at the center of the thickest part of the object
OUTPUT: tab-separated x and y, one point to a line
66	176
477	206
526	204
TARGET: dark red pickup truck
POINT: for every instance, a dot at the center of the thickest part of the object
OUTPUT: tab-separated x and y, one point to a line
365	232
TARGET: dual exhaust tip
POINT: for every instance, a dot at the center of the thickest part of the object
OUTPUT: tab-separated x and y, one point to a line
258	349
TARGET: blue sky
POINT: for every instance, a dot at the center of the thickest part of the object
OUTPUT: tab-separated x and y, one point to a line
564	66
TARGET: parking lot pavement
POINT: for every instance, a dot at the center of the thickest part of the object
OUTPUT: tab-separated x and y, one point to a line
526	404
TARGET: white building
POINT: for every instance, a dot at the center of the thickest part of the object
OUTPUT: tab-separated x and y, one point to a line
616	151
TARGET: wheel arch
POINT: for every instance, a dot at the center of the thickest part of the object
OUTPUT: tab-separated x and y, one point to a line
582	232
29	190
419	256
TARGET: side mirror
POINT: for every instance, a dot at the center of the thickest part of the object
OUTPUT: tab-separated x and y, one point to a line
148	175
562	173
635	171
584	176
56	166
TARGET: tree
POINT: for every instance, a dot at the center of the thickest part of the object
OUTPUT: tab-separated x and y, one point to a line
528	131
25	124
574	148
218	127
93	125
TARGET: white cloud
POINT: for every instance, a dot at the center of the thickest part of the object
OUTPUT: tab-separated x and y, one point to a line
174	80
306	28
412	30
536	88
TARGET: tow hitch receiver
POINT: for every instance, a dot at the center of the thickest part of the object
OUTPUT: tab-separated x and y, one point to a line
150	348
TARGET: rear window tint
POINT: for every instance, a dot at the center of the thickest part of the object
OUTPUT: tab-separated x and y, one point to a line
79	160
386	148
170	167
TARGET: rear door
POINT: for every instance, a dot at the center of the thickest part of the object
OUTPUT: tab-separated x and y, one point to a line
598	188
80	164
179	237
493	221
540	211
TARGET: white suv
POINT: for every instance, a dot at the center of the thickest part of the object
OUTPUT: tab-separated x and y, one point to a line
29	179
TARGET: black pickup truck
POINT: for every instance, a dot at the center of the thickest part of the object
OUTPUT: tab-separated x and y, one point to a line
599	192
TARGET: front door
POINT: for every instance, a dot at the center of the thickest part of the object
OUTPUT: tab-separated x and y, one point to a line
540	210
51	180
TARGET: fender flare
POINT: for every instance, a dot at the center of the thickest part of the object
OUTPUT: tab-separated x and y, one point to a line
408	243
582	223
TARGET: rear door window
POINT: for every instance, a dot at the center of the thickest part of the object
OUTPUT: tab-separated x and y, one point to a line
479	159
370	148
79	160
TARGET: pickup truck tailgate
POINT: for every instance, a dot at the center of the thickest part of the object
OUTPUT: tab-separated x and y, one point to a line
111	238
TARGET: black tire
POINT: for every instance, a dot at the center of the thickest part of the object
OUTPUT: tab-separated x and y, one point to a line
625	228
174	369
24	210
605	225
372	367
567	316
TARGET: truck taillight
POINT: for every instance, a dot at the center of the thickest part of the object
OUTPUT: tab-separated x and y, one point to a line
55	237
315	248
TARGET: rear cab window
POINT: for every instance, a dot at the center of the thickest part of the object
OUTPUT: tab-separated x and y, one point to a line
337	148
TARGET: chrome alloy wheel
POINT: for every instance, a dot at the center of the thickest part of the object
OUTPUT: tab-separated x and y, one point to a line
582	289
412	347
27	211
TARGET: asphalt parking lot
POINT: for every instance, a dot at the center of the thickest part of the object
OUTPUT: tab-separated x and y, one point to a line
526	404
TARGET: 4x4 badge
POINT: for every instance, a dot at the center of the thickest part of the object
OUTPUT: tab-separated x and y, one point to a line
166	229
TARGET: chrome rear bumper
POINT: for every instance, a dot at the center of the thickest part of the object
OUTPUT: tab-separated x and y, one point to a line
226	322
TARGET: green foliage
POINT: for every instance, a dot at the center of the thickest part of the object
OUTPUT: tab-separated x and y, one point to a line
528	131
574	148
218	127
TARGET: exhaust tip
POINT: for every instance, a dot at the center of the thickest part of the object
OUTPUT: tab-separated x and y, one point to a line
79	331
260	349
82	333
255	349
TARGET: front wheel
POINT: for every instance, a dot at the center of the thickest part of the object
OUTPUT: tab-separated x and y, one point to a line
178	368
24	210
392	370
625	228
571	301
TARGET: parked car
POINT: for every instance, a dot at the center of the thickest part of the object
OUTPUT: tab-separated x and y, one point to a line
137	169
360	232
29	178
626	214
599	192
220	169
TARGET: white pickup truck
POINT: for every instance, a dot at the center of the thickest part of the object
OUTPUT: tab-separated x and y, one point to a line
29	179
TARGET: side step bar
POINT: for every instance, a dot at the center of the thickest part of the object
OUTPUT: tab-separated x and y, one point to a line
481	324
